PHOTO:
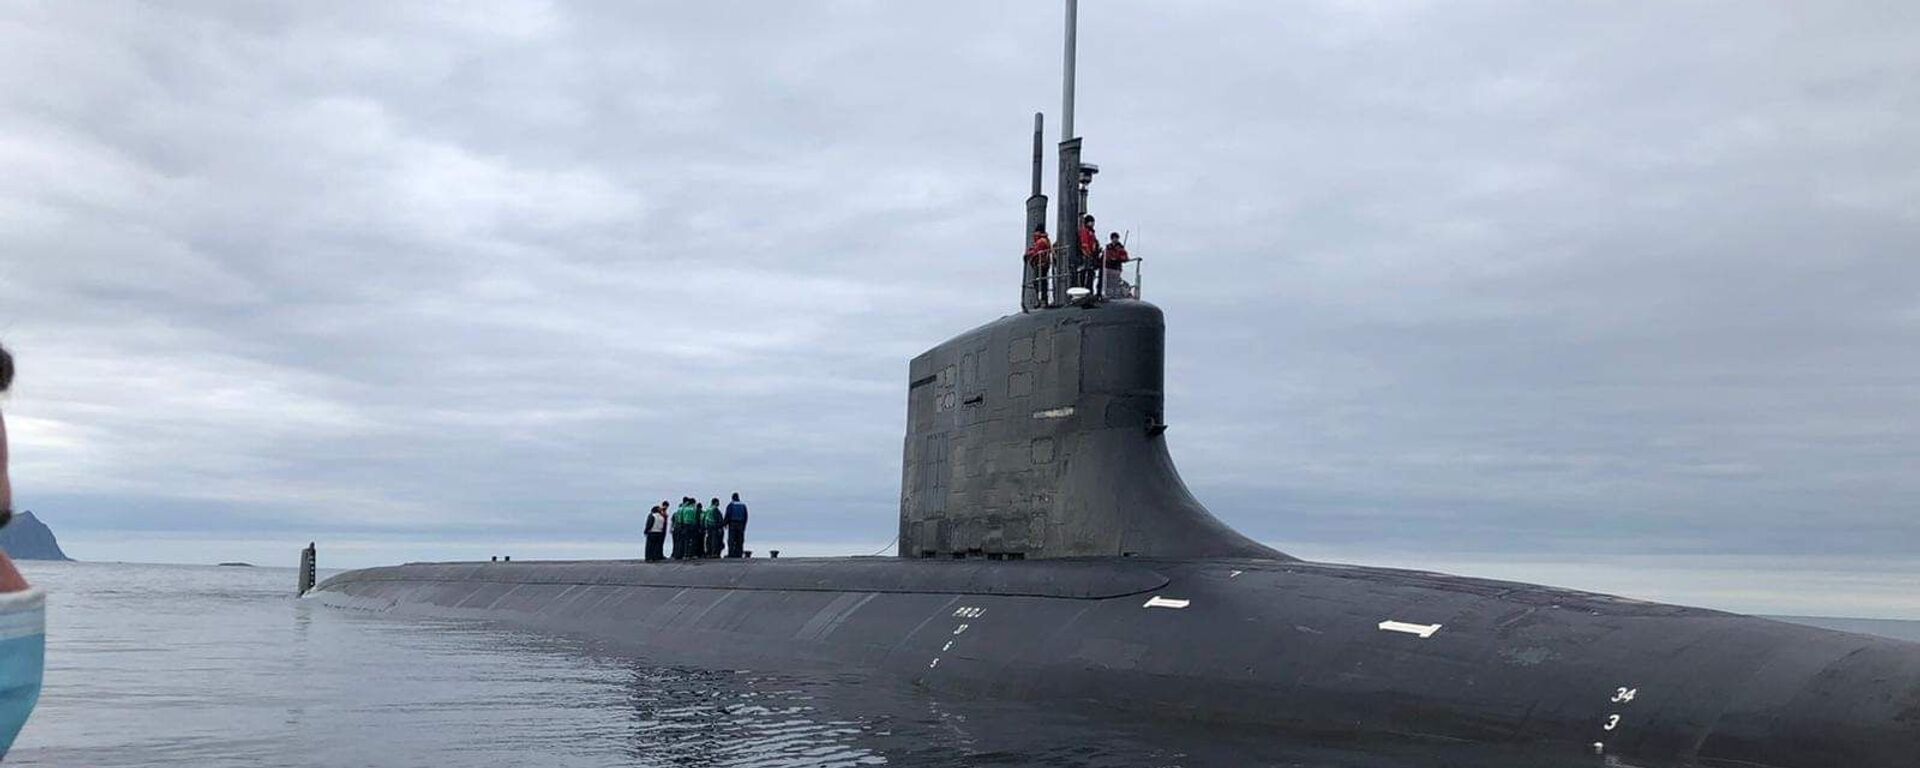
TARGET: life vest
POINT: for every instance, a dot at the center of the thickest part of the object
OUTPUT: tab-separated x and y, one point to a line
1116	255
1089	243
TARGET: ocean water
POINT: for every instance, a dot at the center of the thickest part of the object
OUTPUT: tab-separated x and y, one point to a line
156	665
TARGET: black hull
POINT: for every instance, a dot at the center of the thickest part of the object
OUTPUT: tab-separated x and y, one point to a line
1286	644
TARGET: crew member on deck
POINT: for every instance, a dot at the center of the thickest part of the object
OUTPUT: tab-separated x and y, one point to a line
683	524
715	523
699	532
696	534
656	532
1116	262
1040	265
737	520
1089	253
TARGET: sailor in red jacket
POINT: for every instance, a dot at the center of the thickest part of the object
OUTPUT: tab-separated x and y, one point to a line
1115	261
1089	253
1040	264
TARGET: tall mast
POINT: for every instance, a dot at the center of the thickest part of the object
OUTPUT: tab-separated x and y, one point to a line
1072	188
1066	97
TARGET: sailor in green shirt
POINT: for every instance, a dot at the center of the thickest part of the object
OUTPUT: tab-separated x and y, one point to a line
711	523
684	525
699	529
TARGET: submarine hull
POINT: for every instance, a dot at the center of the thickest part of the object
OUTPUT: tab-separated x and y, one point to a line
1308	648
1050	551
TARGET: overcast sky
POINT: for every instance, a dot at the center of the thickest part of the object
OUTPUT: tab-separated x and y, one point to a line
1621	296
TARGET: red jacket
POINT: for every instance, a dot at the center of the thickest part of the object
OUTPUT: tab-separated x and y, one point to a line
1089	243
1040	250
1116	255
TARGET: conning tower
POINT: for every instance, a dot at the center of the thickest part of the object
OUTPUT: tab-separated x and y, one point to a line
1039	435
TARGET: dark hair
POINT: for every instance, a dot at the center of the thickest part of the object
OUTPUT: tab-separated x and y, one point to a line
736	495
6	369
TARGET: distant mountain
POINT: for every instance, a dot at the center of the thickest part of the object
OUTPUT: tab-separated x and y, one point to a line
26	538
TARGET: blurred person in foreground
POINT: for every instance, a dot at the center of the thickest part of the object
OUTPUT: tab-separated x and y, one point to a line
23	613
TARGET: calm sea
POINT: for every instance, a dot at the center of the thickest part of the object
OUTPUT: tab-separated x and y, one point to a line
156	665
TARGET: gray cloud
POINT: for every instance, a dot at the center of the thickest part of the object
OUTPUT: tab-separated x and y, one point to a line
1486	278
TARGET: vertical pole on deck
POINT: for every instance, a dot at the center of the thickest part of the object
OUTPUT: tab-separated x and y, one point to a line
307	568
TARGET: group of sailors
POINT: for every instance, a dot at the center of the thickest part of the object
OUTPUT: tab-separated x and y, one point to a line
1111	257
699	531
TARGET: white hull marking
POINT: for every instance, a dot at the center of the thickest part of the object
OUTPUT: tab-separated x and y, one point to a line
1423	630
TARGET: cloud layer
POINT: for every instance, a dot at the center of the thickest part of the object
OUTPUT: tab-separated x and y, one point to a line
1487	278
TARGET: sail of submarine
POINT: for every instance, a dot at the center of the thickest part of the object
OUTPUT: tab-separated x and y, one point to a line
1049	550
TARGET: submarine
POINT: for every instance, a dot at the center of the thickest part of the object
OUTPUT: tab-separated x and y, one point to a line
1049	551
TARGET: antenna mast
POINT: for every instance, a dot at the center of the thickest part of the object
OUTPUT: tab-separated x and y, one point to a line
1066	97
1074	177
1032	291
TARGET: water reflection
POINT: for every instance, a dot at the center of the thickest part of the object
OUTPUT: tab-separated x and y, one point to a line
709	718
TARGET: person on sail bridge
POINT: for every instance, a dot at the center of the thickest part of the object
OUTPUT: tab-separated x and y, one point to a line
1115	259
1039	266
1089	253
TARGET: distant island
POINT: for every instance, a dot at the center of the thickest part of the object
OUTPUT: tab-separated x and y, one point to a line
26	538
236	565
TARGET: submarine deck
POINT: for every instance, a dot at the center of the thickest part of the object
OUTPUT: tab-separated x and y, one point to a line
1092	578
